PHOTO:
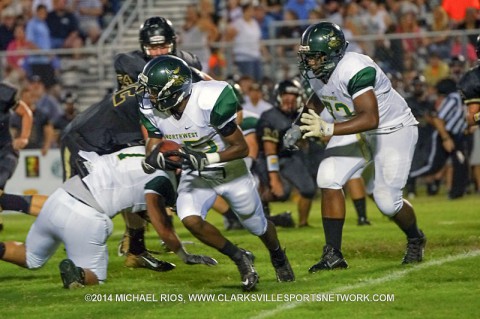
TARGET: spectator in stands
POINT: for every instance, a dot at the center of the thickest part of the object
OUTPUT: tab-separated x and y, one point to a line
375	21
440	23
47	3
42	135
289	31
63	26
435	70
7	25
264	20
18	62
246	35
408	24
255	103
301	7
198	32
37	32
470	22
233	11
88	13
461	46
333	10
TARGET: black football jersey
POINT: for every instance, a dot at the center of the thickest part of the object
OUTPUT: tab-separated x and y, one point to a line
8	101
272	126
469	86
129	65
108	125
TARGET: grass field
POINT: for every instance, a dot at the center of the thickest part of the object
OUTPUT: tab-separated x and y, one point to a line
445	285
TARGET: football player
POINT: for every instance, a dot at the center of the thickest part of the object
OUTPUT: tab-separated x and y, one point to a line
78	214
9	147
359	96
280	168
469	87
201	117
157	37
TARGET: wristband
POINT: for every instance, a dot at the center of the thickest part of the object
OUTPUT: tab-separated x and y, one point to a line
212	158
272	163
476	117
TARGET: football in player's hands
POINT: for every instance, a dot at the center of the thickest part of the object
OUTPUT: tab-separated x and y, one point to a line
166	155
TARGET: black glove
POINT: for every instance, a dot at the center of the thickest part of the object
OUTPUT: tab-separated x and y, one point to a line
200	259
194	159
159	160
147	168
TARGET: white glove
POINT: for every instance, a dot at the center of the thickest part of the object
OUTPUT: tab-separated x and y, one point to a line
315	126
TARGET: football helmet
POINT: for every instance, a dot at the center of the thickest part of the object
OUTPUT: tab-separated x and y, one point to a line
166	81
322	46
288	87
157	31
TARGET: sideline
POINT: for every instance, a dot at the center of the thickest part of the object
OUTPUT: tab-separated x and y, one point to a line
370	282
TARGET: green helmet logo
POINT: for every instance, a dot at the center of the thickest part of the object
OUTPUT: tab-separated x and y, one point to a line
164	82
322	46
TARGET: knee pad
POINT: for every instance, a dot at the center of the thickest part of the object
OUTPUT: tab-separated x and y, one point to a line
388	203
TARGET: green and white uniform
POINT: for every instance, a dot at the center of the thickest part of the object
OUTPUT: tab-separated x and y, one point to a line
390	146
78	214
211	105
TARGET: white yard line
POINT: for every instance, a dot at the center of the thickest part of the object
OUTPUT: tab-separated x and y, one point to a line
375	281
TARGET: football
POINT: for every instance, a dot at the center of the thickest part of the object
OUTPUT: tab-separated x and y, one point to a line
168	145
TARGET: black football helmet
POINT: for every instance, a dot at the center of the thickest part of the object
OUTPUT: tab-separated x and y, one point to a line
322	46
288	87
157	31
166	81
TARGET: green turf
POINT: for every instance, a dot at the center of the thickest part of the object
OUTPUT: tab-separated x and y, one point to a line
445	285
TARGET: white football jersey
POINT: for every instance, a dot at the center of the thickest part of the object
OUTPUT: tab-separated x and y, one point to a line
212	104
354	75
118	182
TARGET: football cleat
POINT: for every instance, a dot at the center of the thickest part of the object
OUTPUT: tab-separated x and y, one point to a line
415	249
362	221
146	260
248	273
331	259
72	276
283	270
